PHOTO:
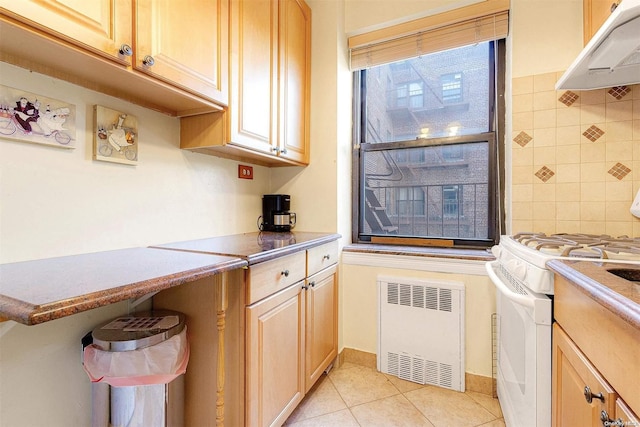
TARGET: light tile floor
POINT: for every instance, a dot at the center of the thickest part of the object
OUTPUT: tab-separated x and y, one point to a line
354	395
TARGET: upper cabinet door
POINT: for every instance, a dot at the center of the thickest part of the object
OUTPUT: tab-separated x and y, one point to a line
295	84
254	44
100	26
595	12
184	43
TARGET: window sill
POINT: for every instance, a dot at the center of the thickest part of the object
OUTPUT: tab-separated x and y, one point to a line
445	260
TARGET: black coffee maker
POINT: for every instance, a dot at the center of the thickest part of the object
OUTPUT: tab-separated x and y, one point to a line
275	213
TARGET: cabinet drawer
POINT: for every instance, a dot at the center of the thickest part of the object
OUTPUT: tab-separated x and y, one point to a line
321	257
269	277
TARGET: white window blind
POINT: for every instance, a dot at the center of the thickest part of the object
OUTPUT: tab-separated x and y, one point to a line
479	22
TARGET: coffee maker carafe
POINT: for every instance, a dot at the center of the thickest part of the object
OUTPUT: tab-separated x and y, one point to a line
275	213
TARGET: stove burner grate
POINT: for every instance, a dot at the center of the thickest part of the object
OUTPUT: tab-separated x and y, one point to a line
580	244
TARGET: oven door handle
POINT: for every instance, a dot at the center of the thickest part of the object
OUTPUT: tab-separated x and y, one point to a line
525	300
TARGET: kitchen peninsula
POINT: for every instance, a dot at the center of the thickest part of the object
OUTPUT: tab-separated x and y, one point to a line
285	304
212	281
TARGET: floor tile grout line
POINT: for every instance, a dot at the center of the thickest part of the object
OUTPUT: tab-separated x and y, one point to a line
399	392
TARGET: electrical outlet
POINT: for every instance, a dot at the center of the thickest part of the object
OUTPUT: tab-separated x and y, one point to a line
245	172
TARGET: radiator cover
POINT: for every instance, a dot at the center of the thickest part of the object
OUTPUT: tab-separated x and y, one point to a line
421	330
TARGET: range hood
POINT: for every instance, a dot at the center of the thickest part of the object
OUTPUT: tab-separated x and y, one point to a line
612	56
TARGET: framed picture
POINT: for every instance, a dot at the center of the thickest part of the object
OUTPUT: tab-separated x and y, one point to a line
115	136
29	117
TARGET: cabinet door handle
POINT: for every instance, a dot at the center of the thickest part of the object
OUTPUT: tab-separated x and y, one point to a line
126	50
589	396
285	273
327	257
614	6
305	287
312	284
148	61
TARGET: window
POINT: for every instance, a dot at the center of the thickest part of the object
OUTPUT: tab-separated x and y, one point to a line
434	176
409	95
451	87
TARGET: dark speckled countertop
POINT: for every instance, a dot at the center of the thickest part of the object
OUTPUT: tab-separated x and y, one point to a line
33	292
620	296
254	247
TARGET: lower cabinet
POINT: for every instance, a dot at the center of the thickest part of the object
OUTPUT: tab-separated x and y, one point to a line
594	362
280	335
292	334
321	326
581	395
624	415
275	357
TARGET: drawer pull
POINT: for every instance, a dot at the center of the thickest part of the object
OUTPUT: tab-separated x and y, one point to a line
327	257
589	396
285	273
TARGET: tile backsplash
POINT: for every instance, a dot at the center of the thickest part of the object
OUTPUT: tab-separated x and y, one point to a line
575	158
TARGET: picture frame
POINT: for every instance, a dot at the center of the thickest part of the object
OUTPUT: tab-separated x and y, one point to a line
34	118
115	136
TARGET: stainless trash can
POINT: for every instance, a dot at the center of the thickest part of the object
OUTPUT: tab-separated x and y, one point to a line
136	364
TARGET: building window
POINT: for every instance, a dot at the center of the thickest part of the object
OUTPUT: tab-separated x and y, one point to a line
405	201
451	87
453	153
409	95
435	175
451	203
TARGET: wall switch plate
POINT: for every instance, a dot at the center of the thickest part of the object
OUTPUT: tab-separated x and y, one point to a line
245	172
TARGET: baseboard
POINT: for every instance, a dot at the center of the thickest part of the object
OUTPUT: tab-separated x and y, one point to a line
473	382
358	357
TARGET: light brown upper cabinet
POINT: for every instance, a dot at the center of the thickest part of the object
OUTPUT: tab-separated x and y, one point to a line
100	26
267	121
184	43
170	56
594	13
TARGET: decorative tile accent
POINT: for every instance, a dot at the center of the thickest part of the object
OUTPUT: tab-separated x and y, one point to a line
619	92
522	139
619	171
593	133
568	98
545	174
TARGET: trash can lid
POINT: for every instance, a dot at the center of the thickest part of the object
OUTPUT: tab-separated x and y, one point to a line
138	330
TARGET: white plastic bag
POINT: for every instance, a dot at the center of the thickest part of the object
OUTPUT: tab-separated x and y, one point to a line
157	364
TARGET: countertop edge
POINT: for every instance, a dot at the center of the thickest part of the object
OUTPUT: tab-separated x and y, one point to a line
29	314
287	250
613	301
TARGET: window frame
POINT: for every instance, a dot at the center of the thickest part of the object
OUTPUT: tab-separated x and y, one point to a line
495	137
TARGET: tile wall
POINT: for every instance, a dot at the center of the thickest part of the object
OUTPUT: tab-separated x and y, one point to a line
575	158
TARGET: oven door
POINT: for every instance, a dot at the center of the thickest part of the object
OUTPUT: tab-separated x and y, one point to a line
524	351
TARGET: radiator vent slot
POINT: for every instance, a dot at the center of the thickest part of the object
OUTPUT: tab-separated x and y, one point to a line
421	331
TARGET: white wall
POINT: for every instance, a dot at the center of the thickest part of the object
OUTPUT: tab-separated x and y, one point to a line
57	202
367	15
546	35
361	309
